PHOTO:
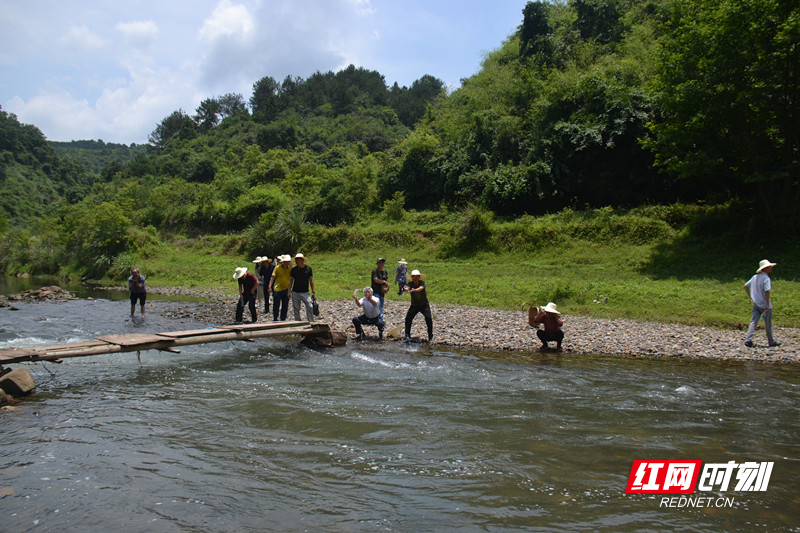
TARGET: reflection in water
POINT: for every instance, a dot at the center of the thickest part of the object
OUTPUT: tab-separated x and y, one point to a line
268	436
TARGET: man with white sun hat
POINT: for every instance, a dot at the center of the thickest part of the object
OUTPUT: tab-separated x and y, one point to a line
758	288
550	318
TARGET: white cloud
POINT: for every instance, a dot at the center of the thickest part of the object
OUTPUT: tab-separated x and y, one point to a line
83	37
228	20
140	34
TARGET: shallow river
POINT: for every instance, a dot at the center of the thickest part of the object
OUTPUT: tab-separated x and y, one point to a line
270	436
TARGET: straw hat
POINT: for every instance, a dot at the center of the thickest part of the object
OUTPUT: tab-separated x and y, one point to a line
417	273
403	262
550	308
258	259
284	258
240	271
300	256
764	264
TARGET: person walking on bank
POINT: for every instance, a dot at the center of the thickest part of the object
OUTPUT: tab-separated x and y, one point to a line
301	279
248	286
279	287
264	274
552	321
419	304
372	313
138	291
758	288
380	282
401	276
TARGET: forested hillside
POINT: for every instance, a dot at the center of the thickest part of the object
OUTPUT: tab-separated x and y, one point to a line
589	104
98	157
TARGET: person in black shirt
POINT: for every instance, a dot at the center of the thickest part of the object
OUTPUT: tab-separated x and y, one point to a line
380	282
301	279
419	304
248	286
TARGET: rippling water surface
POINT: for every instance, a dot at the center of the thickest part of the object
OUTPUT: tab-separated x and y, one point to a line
270	436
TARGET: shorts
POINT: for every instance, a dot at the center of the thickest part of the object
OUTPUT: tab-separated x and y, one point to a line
141	296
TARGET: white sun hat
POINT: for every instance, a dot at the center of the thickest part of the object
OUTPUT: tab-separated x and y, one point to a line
550	308
240	271
764	264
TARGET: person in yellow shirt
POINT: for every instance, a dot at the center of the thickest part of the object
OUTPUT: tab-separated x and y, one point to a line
279	287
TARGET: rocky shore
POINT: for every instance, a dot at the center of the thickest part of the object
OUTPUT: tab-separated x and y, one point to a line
497	330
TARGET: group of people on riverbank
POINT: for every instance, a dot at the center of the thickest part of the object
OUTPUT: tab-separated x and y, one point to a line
279	279
374	297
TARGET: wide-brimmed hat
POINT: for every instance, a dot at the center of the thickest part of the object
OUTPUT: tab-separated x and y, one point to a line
240	271
300	256
764	264
258	259
550	308
283	258
418	273
403	262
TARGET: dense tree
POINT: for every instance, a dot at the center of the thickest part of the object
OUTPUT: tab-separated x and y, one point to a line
178	123
535	31
729	85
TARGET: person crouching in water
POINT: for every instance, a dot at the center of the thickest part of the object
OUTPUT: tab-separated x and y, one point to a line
552	321
372	313
419	304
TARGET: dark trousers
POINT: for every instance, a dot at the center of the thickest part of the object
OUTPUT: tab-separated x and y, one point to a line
557	336
250	301
359	320
280	304
426	312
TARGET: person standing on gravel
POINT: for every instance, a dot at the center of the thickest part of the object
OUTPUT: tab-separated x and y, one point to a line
279	287
419	304
265	269
302	278
758	288
550	318
380	282
401	276
248	286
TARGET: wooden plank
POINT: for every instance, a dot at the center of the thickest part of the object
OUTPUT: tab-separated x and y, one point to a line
192	333
132	339
264	326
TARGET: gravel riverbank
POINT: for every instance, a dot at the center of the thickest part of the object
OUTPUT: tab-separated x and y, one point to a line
491	329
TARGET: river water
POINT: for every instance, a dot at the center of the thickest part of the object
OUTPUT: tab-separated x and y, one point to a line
271	436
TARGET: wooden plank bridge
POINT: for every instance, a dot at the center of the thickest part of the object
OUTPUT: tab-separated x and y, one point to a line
168	342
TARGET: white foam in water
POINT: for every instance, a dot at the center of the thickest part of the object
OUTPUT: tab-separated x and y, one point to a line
25	342
374	361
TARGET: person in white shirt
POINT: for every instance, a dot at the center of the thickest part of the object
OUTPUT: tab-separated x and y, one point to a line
758	288
372	313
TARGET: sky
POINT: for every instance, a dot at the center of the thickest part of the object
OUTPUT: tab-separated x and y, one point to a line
112	70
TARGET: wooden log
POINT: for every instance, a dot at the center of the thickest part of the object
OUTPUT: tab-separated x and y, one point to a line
109	344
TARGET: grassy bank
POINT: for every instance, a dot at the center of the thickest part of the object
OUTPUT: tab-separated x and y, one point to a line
674	264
